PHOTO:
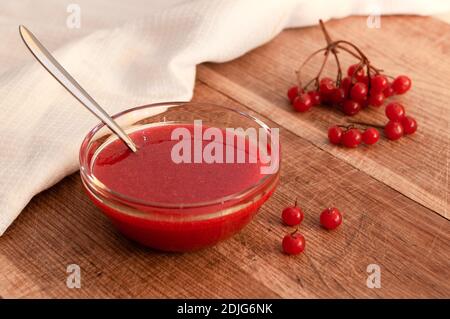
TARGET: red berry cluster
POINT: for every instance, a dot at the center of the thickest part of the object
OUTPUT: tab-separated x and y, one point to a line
352	94
294	243
351	136
399	124
363	85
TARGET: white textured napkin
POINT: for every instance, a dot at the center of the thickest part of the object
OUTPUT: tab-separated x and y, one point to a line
145	61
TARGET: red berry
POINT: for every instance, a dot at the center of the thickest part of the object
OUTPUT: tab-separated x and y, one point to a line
292	93
302	103
326	80
401	84
293	244
364	104
359	92
364	79
409	125
351	107
388	91
315	97
326	86
346	83
335	135
378	83
393	130
395	111
356	70
337	95
376	99
292	215
324	99
351	138
331	218
370	136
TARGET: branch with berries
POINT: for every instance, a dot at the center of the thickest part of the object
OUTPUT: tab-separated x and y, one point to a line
364	85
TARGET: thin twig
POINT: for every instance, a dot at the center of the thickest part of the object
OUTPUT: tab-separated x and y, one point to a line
333	46
367	124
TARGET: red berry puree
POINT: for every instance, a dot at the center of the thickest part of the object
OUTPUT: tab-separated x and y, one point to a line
178	207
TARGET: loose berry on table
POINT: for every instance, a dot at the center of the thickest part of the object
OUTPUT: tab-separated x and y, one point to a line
293	215
409	125
370	136
393	130
331	218
352	138
294	243
335	135
395	111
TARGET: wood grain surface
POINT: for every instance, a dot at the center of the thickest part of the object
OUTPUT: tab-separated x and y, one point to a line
394	195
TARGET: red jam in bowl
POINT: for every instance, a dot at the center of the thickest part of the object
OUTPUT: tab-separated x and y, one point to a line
151	175
173	206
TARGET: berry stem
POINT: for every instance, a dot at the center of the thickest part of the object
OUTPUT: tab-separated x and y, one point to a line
317	77
298	72
376	70
346	127
325	32
331	46
367	124
362	56
339	74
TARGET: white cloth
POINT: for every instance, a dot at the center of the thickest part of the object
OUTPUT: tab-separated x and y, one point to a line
149	58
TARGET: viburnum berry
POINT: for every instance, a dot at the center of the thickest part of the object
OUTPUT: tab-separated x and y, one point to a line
351	138
331	218
292	93
376	99
395	111
315	97
326	86
388	91
355	71
365	80
346	83
351	107
370	136
302	103
335	135
337	95
409	125
294	243
292	215
393	130
401	84
378	83
359	92
364	104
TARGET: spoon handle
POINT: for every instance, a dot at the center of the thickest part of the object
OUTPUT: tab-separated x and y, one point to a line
66	80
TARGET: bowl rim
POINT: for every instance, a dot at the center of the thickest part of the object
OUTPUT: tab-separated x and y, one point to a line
89	178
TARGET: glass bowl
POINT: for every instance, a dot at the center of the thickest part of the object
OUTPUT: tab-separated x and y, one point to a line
178	226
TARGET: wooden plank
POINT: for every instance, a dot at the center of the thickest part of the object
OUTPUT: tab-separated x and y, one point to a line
416	166
382	226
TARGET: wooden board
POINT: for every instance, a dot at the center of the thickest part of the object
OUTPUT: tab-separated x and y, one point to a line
394	195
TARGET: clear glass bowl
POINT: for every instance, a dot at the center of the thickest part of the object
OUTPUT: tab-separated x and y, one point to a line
176	226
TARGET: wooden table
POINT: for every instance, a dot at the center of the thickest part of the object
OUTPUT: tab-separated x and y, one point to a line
394	195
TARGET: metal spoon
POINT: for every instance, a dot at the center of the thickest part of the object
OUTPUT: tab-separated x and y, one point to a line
66	80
